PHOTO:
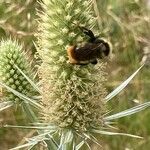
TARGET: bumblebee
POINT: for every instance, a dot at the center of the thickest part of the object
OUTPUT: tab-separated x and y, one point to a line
93	49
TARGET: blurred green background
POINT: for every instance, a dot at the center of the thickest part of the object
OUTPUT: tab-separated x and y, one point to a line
126	24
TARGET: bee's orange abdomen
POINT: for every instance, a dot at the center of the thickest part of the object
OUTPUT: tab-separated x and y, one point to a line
71	54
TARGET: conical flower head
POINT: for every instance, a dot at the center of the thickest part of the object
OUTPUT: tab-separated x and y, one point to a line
11	55
59	26
73	94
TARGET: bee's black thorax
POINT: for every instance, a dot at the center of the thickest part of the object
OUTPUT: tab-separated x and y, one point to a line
93	49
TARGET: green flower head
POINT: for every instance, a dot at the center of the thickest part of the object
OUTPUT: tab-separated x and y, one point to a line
73	94
11	55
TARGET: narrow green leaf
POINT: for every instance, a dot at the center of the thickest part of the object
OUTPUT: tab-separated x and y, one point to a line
31	147
68	136
28	79
128	112
21	96
80	145
94	139
51	145
39	137
46	137
61	141
114	133
91	138
122	86
29	112
50	128
5	105
33	141
66	141
40	123
24	145
87	144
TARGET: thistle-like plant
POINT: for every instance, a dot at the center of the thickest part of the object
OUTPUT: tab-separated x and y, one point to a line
15	76
73	96
12	55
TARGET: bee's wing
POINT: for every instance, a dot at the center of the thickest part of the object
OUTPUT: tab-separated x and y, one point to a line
87	52
102	49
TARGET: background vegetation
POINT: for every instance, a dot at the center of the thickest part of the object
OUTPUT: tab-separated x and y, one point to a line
126	24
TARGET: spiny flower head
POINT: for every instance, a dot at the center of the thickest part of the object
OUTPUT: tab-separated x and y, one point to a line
73	95
11	55
59	26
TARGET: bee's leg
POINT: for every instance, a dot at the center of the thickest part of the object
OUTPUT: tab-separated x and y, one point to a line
94	62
